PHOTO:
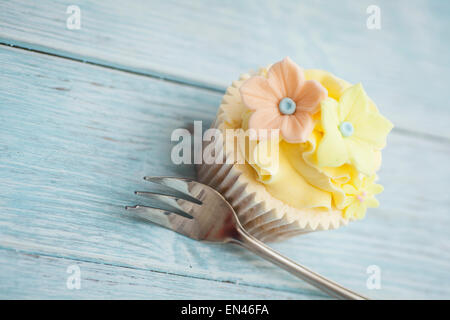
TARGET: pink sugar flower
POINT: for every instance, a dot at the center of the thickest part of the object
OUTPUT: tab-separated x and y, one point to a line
283	100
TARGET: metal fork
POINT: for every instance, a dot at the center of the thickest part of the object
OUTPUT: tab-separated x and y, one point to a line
200	212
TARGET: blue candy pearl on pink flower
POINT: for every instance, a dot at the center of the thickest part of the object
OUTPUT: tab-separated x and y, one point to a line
287	106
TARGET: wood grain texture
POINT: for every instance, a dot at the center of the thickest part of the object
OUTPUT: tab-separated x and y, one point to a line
76	140
46	277
403	66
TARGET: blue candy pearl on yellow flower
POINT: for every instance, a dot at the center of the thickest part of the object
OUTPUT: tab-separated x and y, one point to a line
346	128
287	106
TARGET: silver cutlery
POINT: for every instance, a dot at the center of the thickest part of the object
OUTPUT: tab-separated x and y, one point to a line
200	212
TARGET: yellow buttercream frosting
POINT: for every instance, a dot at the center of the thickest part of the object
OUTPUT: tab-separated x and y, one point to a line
329	170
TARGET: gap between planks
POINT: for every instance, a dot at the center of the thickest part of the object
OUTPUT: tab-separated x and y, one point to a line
109	65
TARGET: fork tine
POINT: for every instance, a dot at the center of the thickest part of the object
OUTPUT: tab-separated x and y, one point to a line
173	201
169	199
160	211
179	185
155	215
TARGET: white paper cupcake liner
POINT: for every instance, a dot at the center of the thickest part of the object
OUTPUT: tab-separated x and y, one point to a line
269	219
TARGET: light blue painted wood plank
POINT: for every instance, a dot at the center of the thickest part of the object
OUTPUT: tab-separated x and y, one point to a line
56	203
76	140
404	66
32	276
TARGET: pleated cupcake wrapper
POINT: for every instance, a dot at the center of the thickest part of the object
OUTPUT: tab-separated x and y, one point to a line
256	216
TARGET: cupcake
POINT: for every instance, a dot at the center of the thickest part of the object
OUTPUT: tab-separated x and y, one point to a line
299	151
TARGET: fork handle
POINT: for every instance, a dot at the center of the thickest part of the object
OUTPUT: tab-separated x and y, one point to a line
249	242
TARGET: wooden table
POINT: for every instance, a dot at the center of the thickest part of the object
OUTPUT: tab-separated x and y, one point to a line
86	113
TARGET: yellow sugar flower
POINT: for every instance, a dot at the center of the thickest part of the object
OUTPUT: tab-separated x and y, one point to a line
361	196
353	131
